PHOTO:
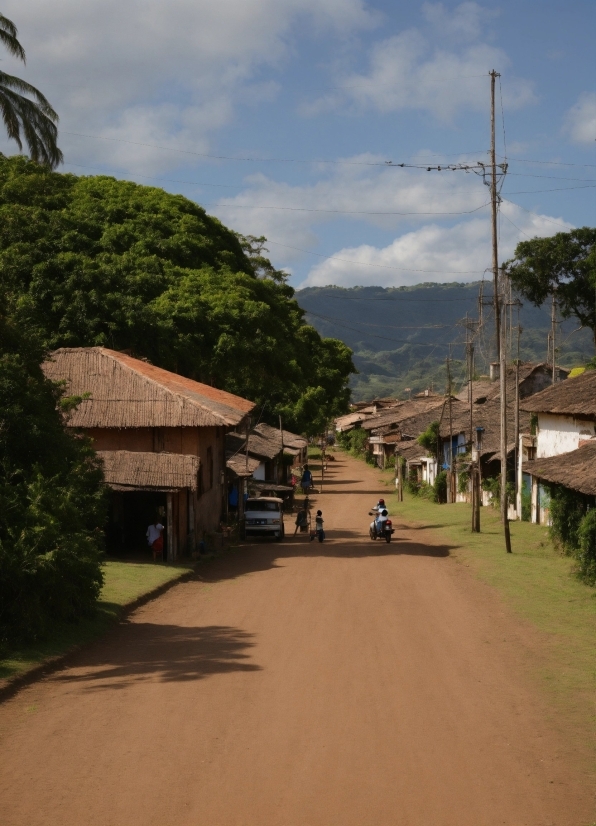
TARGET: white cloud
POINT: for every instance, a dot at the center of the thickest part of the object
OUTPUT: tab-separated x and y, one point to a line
172	71
355	191
581	119
465	21
432	253
408	71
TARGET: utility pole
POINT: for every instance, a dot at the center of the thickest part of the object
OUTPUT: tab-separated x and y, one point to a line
553	336
450	498
503	389
500	333
494	201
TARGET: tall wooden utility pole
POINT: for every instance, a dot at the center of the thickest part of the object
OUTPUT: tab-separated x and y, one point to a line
494	200
501	337
553	336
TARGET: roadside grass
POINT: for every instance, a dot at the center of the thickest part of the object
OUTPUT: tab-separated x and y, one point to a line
537	582
124	583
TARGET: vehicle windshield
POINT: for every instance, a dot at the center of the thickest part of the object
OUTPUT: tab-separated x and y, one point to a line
262	506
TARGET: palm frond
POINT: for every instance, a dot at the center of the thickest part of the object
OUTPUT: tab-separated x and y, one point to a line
21	115
8	38
23	108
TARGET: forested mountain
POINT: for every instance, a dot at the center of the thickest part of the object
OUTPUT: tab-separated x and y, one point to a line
402	336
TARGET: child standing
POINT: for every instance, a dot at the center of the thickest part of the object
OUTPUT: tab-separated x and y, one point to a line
319	532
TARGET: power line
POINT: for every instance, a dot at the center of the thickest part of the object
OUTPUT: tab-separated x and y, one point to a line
367	264
372	335
338	211
548	220
389	298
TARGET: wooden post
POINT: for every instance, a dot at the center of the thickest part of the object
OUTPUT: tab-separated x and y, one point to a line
170	526
400	479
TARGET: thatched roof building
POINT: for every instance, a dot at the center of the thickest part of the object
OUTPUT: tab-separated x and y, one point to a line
574	397
575	470
127	392
128	470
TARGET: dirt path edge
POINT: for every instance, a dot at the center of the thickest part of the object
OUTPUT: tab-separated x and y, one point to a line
12	685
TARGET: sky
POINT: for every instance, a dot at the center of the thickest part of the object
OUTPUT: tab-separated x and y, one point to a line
281	118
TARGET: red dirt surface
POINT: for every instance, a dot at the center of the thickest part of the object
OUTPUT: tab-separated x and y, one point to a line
297	684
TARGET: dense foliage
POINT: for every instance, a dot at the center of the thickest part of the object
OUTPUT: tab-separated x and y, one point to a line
95	261
51	501
564	265
400	336
573	527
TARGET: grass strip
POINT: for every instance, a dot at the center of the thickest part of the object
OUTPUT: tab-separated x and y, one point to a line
537	583
125	583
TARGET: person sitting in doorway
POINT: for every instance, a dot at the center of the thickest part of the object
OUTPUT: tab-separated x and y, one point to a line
155	538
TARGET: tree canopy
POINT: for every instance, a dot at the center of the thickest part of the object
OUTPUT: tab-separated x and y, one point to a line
96	261
563	265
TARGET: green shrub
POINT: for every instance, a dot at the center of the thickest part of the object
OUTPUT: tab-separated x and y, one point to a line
567	509
586	552
526	503
52	502
427	491
440	487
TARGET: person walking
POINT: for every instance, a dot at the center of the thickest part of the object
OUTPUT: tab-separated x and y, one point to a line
155	538
319	532
301	520
306	480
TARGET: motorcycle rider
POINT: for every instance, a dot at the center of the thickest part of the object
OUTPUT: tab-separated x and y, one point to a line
380	520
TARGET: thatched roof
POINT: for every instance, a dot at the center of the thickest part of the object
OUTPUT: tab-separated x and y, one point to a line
127	392
402	412
573	397
575	470
257	445
487	416
131	470
241	465
533	378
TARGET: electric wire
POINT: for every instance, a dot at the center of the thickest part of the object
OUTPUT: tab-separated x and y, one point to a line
372	335
367	264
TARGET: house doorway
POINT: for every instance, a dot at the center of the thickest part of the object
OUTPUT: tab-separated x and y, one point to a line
130	514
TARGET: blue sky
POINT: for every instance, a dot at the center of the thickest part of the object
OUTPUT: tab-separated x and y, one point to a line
317	95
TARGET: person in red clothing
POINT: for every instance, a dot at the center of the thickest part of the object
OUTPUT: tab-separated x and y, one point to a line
155	538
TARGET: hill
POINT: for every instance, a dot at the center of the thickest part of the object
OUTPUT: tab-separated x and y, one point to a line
402	336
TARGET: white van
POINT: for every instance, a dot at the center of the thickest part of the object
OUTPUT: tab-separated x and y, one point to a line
264	517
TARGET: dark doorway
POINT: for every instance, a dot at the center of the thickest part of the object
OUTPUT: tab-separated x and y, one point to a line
130	515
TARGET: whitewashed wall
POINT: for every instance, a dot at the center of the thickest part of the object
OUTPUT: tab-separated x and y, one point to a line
559	434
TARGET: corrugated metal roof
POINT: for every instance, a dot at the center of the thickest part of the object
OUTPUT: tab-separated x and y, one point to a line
572	397
575	470
406	410
149	471
127	392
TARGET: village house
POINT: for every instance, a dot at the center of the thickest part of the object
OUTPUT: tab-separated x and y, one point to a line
161	438
405	421
563	425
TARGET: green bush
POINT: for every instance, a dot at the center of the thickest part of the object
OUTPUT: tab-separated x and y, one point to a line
52	502
567	509
426	491
526	503
440	487
586	552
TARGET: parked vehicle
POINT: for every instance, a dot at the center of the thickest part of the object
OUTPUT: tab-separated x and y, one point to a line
264	517
384	530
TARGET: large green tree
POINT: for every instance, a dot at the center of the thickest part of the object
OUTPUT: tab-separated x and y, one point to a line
25	111
563	265
95	261
52	504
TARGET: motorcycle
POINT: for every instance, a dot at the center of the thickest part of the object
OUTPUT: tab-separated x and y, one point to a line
386	532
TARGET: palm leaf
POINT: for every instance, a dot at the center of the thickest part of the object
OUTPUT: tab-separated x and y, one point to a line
24	110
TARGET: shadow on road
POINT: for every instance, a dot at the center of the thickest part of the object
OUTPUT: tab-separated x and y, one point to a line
169	652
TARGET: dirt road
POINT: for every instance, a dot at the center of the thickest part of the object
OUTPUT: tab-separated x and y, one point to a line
299	684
